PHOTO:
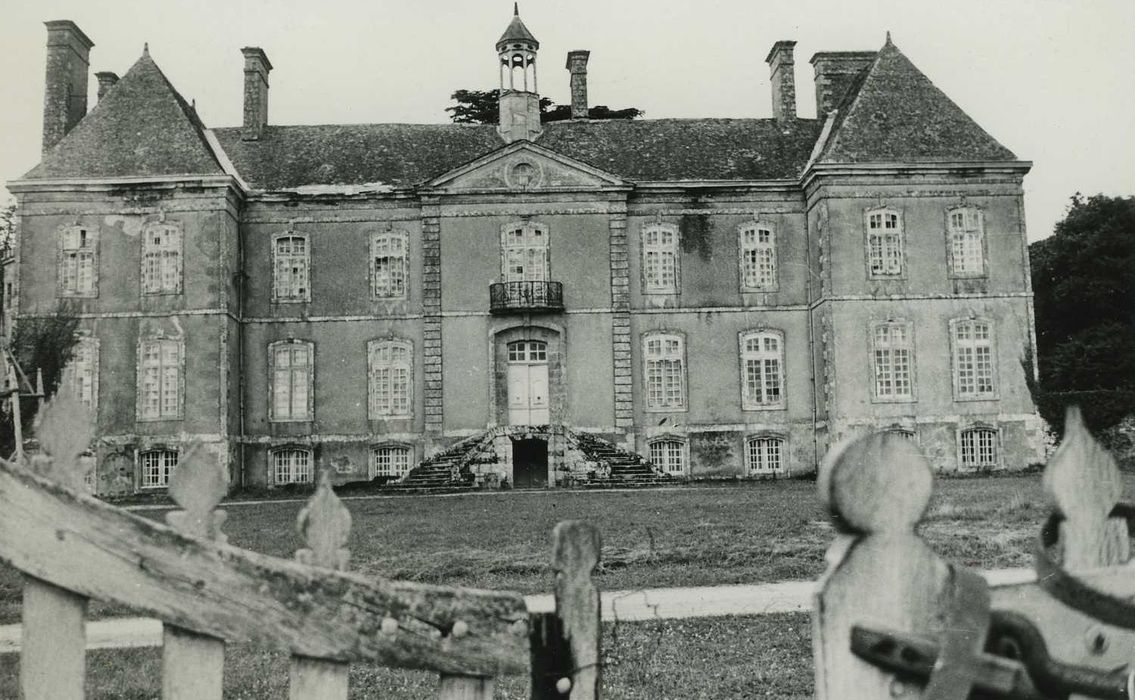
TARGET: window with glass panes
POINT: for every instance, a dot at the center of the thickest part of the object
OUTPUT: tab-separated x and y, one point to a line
290	279
81	373
157	466
979	448
292	372
884	243
764	455
78	261
893	351
669	456
161	258
665	359
391	373
762	362
524	253
660	258
973	359
388	265
160	386
390	460
967	254
758	257
292	466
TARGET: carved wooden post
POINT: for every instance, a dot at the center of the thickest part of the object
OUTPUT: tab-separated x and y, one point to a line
879	573
53	658
324	524
193	664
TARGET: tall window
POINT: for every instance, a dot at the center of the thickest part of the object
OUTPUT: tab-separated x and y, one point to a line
764	455
292	371
390	461
665	363
291	466
291	275
973	359
160	368
978	448
388	265
161	258
762	362
884	243
78	262
894	378
82	373
157	467
967	242
524	252
758	258
391	370
660	259
669	456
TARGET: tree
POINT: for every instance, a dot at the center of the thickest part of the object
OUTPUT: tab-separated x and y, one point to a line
7	228
483	107
1084	285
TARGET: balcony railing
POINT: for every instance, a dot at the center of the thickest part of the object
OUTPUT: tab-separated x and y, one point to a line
528	297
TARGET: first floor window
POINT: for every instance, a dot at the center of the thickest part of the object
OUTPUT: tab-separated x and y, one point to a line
893	352
979	448
967	246
762	361
160	369
292	466
973	359
157	467
78	261
161	258
388	265
764	455
669	456
665	360
660	259
82	372
292	372
758	258
884	244
391	372
524	252
290	278
390	461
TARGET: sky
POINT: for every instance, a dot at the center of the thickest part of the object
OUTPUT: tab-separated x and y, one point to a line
1053	80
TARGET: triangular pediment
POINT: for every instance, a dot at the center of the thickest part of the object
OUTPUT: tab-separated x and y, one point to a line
524	167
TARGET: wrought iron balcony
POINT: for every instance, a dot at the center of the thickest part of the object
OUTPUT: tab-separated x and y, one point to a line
526	297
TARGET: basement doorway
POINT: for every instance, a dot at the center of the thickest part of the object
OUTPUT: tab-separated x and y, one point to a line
529	464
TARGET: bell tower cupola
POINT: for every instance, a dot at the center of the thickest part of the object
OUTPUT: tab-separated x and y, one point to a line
519	98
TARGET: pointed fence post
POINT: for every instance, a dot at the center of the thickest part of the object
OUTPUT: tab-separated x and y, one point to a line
324	525
53	655
193	664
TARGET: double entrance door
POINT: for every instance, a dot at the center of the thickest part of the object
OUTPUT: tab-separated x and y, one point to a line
528	383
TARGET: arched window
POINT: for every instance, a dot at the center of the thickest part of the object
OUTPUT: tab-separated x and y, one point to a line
669	455
160	368
758	258
967	241
660	272
292	465
762	363
978	447
81	374
390	461
764	454
78	262
893	353
904	433
884	244
973	359
157	466
292	371
390	367
388	264
291	269
664	363
524	252
161	258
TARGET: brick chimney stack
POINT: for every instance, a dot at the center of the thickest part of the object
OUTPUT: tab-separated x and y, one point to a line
106	79
577	65
781	67
65	83
256	69
836	72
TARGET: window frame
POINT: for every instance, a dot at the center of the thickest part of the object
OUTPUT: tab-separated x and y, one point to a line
162	341
277	296
372	463
782	445
90	343
309	408
149	250
951	235
757	226
873	340
899	238
956	345
165	469
748	401
649	285
274	467
526	245
374	411
973	430
683	453
64	249
684	399
403	239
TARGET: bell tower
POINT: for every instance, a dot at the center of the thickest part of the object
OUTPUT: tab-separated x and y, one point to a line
519	99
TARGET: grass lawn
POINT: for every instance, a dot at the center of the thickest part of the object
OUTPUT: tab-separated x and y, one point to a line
756	532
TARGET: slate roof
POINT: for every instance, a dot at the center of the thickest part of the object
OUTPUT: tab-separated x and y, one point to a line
141	126
516	31
895	114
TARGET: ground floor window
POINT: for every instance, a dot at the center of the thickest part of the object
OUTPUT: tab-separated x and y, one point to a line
390	461
90	475
764	455
669	456
979	448
157	467
292	466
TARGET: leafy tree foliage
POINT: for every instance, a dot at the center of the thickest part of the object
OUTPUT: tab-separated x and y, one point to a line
1084	284
483	107
7	228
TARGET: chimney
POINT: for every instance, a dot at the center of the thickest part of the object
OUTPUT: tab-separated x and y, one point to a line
65	84
781	67
106	79
577	64
836	72
256	68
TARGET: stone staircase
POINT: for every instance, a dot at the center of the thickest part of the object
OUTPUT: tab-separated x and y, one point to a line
445	470
626	468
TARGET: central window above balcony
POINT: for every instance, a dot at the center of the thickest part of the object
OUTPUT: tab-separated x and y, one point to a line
525	272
